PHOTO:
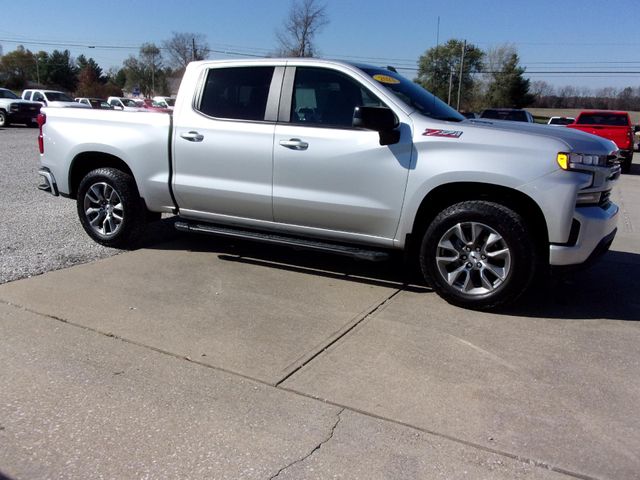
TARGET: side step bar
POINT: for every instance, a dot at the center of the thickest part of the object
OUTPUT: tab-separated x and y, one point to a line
273	238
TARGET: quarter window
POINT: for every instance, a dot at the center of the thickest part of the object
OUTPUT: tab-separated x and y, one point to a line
327	97
237	93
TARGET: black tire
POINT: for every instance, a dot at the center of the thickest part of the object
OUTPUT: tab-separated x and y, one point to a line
625	166
110	208
4	122
32	124
482	274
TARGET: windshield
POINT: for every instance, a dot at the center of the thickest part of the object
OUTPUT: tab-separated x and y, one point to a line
560	121
513	115
8	94
414	95
58	97
129	103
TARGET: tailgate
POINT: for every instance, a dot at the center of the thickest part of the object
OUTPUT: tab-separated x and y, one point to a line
619	135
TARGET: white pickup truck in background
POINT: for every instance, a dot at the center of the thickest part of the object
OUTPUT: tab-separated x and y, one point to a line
346	158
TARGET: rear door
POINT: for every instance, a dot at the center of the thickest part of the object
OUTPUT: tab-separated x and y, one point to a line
223	145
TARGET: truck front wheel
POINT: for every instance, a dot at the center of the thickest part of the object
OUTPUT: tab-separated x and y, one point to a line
110	208
479	255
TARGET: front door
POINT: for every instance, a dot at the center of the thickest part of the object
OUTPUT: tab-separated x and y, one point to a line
329	175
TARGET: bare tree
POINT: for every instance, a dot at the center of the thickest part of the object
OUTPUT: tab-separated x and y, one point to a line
540	88
185	47
306	18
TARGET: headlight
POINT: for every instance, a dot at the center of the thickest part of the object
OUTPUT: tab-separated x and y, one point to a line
574	161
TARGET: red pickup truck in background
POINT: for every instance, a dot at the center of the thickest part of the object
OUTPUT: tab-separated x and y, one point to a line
612	125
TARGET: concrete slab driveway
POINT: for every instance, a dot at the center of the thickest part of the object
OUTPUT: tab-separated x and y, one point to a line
336	368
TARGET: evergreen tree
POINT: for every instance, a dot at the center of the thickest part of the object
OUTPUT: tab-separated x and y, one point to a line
509	88
439	69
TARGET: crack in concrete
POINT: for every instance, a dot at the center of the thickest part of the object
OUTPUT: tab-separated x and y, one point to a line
315	449
339	337
478	446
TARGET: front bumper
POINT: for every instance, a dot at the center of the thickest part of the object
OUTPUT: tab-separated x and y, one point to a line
597	230
48	182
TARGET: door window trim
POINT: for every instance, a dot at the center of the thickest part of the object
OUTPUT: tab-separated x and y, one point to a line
286	98
273	97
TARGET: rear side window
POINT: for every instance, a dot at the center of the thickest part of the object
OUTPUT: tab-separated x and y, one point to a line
236	93
612	119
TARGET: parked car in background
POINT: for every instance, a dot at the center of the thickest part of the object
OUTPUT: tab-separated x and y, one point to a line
612	125
560	121
123	103
511	114
15	110
99	103
166	102
149	104
51	98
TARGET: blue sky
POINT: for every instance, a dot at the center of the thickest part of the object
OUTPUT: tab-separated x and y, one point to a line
564	35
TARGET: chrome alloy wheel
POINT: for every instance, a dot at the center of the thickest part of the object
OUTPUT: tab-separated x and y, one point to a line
473	258
103	209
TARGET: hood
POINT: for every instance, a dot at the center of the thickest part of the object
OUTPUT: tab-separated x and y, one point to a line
576	141
67	105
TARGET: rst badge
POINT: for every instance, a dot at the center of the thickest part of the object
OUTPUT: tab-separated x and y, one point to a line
434	132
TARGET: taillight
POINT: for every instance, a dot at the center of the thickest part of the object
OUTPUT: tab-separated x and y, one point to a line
42	119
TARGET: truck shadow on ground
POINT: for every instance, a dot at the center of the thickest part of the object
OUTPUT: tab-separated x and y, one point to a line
607	290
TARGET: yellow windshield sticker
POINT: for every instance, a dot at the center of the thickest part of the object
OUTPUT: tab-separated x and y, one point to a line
386	79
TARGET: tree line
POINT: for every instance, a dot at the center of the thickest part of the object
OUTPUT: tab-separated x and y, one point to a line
460	73
149	71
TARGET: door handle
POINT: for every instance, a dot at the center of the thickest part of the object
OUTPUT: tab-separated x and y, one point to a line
192	136
294	144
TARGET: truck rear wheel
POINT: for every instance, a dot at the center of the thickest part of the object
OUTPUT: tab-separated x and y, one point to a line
3	119
627	159
110	208
479	255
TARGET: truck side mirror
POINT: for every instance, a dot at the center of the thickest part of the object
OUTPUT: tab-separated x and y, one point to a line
636	128
380	119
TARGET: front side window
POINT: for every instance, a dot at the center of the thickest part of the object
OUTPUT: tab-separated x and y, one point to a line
327	97
38	97
8	94
58	97
239	93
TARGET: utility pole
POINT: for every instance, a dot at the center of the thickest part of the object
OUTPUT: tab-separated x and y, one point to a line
193	49
450	83
464	48
38	69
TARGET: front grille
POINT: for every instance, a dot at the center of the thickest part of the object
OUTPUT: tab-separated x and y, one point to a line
25	108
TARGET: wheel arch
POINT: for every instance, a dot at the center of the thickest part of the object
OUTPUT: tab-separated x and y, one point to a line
448	194
85	162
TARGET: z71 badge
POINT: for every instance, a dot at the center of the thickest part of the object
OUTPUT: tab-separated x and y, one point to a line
433	132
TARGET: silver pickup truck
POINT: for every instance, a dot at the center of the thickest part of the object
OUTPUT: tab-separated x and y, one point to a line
347	158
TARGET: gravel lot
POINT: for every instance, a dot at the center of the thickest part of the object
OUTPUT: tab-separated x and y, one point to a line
40	232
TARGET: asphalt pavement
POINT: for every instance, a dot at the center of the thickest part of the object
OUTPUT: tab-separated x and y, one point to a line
200	358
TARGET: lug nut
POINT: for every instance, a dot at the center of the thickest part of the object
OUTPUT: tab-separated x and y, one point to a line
469	265
484	257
